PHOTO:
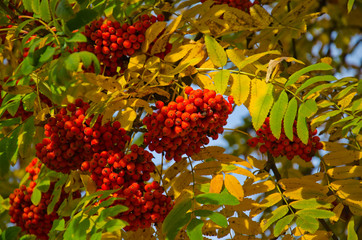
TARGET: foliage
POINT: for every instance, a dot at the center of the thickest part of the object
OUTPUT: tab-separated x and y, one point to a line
263	55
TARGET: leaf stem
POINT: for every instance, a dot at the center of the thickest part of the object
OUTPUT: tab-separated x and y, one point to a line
237	130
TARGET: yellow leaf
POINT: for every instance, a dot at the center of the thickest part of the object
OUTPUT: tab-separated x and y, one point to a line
270	200
175	169
255	57
205	82
19	89
179	52
216	183
181	182
109	83
160	44
260	16
197	52
334	146
127	117
90	185
243	171
137	62
236	56
244	225
337	211
152	33
41	115
240	88
136	102
207	168
320	234
256	162
345	172
347	183
234	187
208	152
260	187
305	193
173	25
346	100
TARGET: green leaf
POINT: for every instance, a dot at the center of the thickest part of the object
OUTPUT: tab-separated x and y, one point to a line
72	62
277	113
96	236
77	37
314	80
305	110
36	6
27	5
82	18
64	10
28	237
58	225
43	185
221	80
194	229
114	225
46	55
276	214
176	219
22	25
10	233
316	67
13	107
359	87
45	11
310	203
26	68
317	89
240	88
88	58
280	225
316	213
77	228
352	235
215	51
223	198
216	217
111	212
9	122
36	196
289	118
28	132
350	5
307	223
28	101
261	102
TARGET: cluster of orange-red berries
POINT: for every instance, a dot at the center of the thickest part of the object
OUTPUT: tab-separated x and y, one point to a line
283	146
243	5
113	42
70	140
184	125
34	219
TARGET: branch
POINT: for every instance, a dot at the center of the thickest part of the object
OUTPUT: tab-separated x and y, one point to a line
271	165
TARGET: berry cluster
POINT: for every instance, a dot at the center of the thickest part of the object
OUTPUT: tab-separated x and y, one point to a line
114	42
184	125
243	5
70	141
33	219
128	173
146	205
283	146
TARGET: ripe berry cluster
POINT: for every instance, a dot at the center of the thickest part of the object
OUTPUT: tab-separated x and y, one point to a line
146	205
33	219
283	146
113	170
128	173
184	125
243	5
70	141
114	42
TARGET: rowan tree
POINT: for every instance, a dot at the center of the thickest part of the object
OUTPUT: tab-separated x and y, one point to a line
110	111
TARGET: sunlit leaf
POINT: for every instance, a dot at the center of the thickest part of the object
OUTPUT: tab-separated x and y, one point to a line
282	223
276	214
234	187
240	88
216	51
216	183
261	95
194	229
316	67
289	118
277	113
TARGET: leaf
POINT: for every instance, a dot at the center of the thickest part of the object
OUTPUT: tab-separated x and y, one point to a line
64	10
223	198
82	18
216	183
310	203
179	52
10	233
236	56
77	37
19	89
260	187
111	212
352	235
277	113
276	214
216	51
240	88
58	225
207	168
208	152
345	172
260	103
194	229
221	80
315	213
281	224
127	118
254	58
307	223
316	67
216	217
234	187
243	171
244	225
36	196
289	118
152	33
349	7
28	132
271	200
305	110
72	62
114	225
45	11
176	219
314	80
